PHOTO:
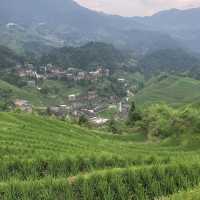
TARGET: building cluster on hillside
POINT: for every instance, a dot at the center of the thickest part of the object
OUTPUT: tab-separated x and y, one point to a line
30	73
52	72
87	104
76	110
73	74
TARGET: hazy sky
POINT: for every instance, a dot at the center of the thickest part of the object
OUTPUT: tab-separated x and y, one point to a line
137	7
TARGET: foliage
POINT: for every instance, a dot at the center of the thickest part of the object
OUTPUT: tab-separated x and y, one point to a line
169	60
133	115
86	57
5	106
110	87
114	127
12	78
82	120
8	58
162	121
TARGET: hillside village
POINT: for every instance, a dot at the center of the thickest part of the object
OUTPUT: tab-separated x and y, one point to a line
52	72
87	103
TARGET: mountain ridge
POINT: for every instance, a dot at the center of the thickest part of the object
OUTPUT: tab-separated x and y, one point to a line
66	23
73	25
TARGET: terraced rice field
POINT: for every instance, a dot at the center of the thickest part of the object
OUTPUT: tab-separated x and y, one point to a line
173	90
43	158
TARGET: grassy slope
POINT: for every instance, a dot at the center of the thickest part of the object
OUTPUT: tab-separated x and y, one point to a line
24	136
36	98
68	138
24	131
173	90
38	153
60	91
16	92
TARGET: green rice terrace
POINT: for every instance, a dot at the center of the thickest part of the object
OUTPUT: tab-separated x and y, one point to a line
173	90
43	158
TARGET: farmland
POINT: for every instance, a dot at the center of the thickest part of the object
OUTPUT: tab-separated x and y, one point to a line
43	158
173	90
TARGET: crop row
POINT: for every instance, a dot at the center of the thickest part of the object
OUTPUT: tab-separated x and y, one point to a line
119	184
40	168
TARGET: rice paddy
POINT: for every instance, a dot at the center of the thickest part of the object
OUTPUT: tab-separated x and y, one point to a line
44	158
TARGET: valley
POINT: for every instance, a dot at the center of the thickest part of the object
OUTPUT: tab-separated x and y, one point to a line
96	106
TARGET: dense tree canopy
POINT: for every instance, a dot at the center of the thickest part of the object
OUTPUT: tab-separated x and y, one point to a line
85	57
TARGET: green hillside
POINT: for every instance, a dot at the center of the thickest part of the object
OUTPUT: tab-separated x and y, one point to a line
54	92
26	39
169	60
10	92
43	158
173	90
8	58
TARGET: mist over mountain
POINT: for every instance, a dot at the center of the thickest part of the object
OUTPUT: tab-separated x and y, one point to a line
66	23
179	24
173	19
28	11
60	13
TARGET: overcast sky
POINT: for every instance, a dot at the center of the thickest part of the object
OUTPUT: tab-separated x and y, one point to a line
137	7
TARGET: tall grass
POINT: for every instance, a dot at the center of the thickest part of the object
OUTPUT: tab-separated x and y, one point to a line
119	184
146	183
37	169
42	158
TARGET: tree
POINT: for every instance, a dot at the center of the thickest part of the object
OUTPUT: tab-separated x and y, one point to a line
113	127
4	106
133	115
82	120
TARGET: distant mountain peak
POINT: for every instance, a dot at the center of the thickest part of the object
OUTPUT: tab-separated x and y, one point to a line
66	22
175	11
166	12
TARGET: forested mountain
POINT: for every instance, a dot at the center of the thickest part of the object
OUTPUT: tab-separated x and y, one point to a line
64	23
86	57
8	58
173	19
179	24
169	60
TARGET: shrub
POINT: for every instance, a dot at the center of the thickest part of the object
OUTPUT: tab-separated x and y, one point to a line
162	121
